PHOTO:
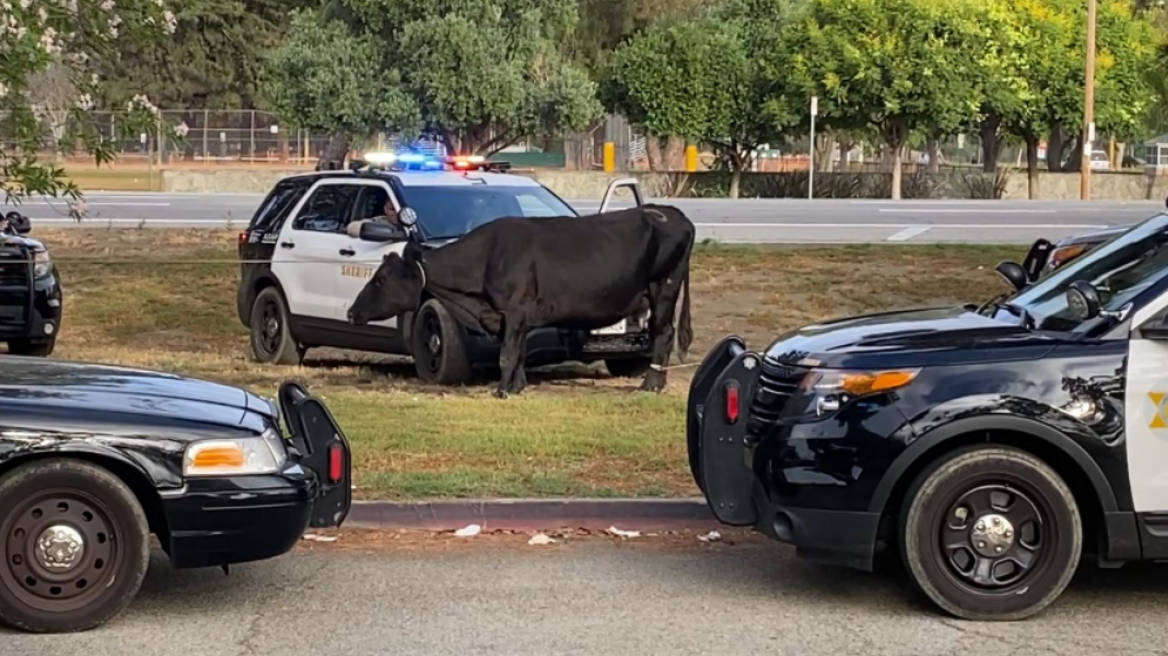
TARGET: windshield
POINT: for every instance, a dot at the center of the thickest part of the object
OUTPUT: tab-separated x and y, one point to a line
449	212
1121	269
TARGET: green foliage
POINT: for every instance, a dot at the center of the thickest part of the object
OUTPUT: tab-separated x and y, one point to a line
51	43
606	24
704	80
211	61
332	81
480	73
896	65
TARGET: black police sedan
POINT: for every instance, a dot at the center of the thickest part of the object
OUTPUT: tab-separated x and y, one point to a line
990	446
95	459
30	290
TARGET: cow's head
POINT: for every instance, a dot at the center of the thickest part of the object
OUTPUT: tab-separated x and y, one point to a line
394	289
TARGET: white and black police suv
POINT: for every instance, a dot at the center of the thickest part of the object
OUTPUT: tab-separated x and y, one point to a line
317	238
992	447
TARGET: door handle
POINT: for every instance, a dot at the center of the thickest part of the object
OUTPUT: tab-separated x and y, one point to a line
348	252
287	244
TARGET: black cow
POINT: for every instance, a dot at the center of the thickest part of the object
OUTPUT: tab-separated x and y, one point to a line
583	273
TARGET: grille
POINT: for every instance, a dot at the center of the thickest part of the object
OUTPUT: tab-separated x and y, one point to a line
777	383
14	267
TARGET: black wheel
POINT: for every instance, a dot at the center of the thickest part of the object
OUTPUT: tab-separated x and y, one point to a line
37	348
628	367
991	533
439	352
75	547
272	341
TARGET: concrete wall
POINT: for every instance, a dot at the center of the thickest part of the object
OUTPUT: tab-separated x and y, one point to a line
592	184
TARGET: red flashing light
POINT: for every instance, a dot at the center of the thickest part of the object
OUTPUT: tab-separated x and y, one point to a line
733	409
336	463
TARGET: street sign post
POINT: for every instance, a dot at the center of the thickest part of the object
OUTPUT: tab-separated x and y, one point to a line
811	154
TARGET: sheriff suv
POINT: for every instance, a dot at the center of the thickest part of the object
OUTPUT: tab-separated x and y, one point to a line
303	265
990	446
30	290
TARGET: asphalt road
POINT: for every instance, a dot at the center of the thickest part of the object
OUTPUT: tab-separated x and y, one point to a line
746	220
592	599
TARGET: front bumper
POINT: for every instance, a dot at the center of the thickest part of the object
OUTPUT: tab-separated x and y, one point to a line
221	521
555	345
30	310
786	488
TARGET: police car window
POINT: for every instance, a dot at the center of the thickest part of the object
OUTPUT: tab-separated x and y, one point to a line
1121	269
372	203
446	212
327	209
277	205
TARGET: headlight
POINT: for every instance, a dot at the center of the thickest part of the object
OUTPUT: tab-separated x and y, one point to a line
241	457
42	264
834	388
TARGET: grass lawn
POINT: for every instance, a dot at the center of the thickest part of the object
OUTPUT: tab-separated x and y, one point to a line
576	432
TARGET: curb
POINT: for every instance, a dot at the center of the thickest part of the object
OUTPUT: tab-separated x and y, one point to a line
533	514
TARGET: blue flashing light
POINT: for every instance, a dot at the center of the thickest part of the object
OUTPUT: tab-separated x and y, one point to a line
411	158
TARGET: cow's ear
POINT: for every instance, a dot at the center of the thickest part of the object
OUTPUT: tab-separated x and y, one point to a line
389	257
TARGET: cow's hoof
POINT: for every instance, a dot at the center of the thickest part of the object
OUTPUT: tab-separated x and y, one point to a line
654	382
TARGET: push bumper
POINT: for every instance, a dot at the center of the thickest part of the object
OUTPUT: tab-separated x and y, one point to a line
29	308
220	521
722	459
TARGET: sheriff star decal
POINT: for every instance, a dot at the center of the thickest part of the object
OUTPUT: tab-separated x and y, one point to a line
1159	412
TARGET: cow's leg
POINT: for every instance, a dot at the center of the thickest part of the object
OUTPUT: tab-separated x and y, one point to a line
663	299
511	357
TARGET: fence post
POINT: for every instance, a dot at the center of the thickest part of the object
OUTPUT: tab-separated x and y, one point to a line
206	129
691	158
609	157
251	135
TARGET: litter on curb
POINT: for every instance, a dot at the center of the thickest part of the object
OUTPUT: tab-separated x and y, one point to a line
623	534
712	536
313	537
469	531
540	539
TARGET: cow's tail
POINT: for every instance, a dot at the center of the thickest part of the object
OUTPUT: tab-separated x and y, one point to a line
684	323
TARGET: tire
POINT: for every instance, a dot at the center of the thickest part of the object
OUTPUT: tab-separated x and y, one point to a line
628	367
94	506
37	348
272	341
1008	494
439	350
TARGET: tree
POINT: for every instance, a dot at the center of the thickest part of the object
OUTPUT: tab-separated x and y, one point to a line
481	74
35	37
704	80
211	61
606	24
896	65
331	81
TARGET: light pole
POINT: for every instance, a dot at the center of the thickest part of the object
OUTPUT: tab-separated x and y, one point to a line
1088	107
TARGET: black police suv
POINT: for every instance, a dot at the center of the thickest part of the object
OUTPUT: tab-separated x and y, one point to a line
30	290
990	446
95	459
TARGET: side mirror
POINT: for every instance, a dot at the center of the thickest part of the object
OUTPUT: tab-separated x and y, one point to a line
376	231
408	217
1083	301
1037	259
1013	273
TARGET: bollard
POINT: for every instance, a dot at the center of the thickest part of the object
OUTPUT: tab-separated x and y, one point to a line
609	157
691	159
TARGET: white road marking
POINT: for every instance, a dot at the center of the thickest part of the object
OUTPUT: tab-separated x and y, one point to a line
966	211
909	233
98	220
902	226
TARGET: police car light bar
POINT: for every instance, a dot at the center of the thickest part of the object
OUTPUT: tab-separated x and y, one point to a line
380	158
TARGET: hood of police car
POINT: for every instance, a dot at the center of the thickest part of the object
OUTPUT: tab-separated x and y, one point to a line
79	390
918	337
21	240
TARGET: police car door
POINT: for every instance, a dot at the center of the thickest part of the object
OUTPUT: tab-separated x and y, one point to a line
309	248
365	256
1146	401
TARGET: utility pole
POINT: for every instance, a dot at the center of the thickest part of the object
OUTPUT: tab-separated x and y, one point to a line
1089	107
811	151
